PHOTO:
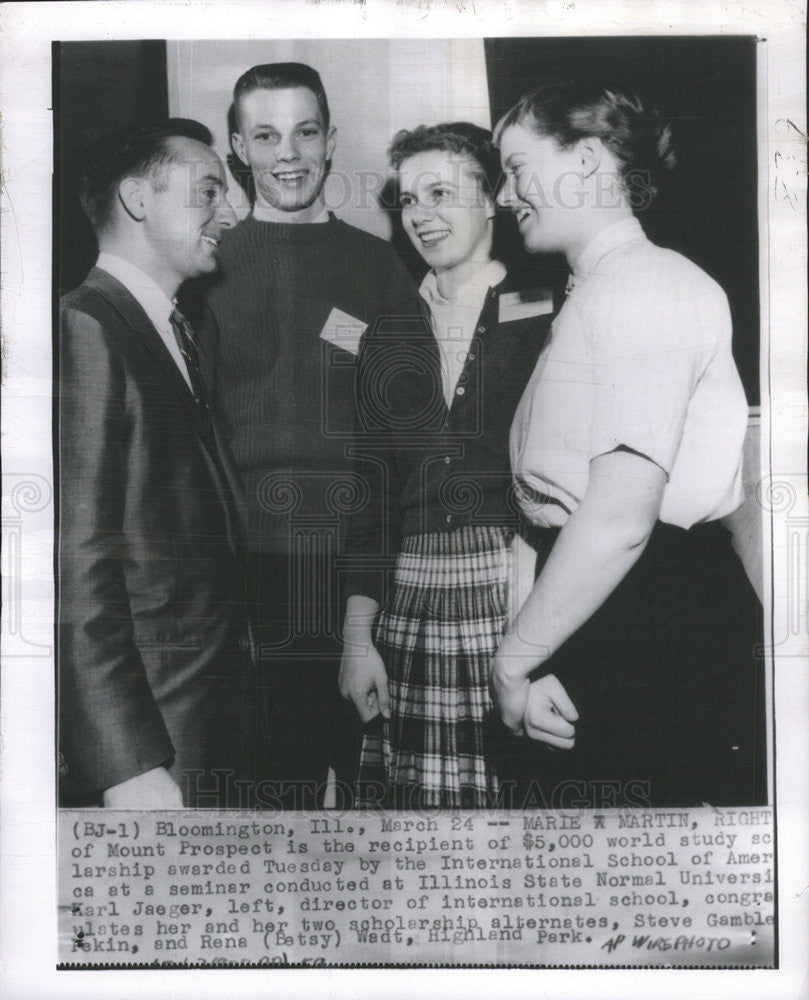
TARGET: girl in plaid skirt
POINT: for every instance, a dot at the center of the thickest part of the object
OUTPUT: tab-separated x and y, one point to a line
437	385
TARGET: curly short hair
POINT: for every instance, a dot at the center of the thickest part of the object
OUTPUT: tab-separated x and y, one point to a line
452	137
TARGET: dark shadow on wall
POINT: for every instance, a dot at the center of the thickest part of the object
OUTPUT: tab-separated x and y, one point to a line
96	88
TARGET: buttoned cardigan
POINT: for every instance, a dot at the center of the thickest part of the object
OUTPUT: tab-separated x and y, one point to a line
424	466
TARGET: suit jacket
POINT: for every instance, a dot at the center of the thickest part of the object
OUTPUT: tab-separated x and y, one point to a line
155	660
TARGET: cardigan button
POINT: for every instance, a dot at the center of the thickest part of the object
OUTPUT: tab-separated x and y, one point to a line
481	329
460	391
471	356
447	459
449	518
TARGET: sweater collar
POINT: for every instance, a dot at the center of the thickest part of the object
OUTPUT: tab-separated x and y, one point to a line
267	213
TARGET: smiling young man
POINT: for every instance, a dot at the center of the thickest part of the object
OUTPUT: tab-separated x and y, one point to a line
154	634
283	318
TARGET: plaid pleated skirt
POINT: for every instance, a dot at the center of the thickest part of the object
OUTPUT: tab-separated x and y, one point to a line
437	633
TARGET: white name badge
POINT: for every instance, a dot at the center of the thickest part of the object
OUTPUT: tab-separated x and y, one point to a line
525	305
343	331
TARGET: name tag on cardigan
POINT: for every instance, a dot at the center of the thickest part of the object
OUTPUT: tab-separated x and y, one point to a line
525	305
343	331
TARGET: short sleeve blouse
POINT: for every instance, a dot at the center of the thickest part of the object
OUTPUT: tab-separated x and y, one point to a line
639	357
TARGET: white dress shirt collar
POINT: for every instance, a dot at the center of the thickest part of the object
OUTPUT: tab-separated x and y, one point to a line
150	297
154	301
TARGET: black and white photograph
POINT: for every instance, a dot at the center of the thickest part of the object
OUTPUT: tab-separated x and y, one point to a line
347	469
415	533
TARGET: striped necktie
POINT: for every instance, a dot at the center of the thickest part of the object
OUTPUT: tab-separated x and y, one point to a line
184	335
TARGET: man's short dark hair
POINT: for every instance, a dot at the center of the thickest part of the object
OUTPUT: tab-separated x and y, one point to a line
134	151
280	76
451	137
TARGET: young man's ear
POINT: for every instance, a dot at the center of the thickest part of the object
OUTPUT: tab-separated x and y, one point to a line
589	150
131	194
237	143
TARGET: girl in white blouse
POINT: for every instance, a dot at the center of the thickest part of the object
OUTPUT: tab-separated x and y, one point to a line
634	656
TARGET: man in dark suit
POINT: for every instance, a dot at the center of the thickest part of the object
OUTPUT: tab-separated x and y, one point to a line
155	644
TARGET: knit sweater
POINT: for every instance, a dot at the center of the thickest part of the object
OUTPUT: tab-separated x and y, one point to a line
281	386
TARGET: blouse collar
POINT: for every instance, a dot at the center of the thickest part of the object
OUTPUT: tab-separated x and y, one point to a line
473	290
609	239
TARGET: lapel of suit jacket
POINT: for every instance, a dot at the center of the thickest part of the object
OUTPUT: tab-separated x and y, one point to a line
135	317
133	314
